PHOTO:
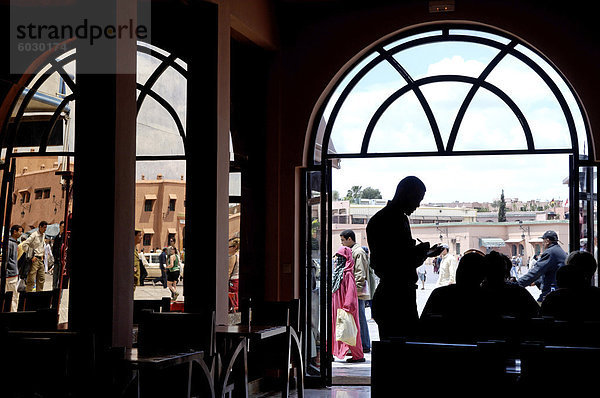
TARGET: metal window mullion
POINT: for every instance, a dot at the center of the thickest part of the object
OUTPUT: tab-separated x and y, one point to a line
420	97
469	97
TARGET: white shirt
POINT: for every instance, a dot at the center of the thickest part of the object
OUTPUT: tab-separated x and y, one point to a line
36	241
447	270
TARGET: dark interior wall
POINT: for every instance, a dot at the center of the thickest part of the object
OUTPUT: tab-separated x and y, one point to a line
319	38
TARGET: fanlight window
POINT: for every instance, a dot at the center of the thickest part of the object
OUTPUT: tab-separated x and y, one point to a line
451	91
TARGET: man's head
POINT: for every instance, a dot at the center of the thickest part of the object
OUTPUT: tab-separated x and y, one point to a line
348	238
549	238
61	227
171	241
584	262
139	234
445	249
16	231
497	268
409	194
42	226
471	270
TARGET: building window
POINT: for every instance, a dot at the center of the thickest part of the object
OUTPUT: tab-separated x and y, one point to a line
42	193
147	239
172	204
25	196
148	203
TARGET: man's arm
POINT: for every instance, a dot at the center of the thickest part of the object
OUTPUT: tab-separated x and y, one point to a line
360	269
535	272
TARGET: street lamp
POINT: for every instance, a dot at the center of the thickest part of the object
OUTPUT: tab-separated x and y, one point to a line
524	229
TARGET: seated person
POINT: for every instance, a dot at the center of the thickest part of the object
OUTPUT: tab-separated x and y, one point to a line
506	298
575	299
457	311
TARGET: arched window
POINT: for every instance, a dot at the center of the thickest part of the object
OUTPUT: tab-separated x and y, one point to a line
452	90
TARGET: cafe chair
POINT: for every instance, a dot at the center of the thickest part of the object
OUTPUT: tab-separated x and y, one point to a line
5	301
31	301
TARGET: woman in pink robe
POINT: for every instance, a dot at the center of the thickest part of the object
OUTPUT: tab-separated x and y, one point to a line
345	296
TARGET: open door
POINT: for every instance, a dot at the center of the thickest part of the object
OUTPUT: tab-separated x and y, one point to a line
317	303
585	216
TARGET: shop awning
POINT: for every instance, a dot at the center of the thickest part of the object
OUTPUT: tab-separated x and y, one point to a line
536	240
514	240
150	197
148	231
173	196
171	230
491	242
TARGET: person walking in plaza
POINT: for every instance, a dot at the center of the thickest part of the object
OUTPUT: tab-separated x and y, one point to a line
345	298
448	267
12	270
57	254
422	274
173	273
35	243
162	262
395	257
137	264
361	278
545	268
48	257
143	264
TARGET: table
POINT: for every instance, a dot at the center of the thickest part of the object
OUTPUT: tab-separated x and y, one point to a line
239	334
155	366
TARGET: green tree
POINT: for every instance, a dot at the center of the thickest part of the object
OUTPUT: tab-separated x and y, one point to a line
354	194
336	195
371	193
502	209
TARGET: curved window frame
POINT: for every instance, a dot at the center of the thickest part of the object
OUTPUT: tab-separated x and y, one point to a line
384	52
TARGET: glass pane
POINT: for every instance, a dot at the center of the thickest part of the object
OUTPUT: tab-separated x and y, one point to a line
235	212
489	124
157	133
566	92
172	87
314	225
445	100
163	227
478	33
447	58
146	64
535	99
411	38
588	208
403	127
360	105
235	184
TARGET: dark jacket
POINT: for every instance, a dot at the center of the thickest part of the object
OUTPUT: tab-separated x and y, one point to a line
394	256
162	260
545	270
11	262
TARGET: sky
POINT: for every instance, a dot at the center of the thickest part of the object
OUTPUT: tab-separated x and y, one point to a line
488	124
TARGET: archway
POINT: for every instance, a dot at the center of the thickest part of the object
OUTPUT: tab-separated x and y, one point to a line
403	119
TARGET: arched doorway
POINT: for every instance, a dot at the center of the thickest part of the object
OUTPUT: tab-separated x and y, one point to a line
503	72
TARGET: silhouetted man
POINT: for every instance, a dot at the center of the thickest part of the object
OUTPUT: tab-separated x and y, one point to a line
545	269
395	256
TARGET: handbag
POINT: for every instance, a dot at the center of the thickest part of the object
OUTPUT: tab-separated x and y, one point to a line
21	285
365	291
345	328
